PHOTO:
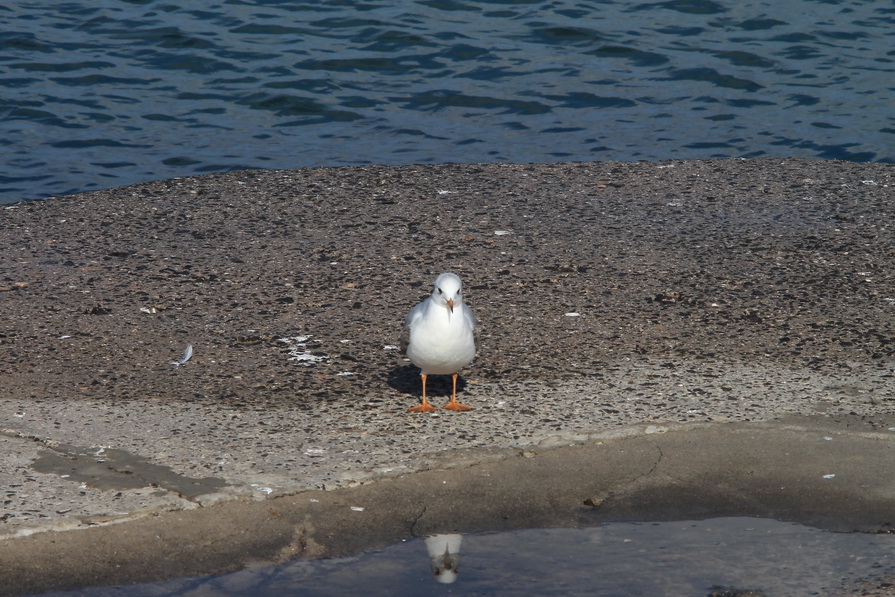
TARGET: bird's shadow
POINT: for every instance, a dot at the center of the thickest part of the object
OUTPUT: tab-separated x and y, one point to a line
406	379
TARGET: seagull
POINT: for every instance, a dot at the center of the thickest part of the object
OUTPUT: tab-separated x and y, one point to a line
438	337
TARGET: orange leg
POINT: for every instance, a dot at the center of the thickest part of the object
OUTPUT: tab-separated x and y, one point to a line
453	404
425	407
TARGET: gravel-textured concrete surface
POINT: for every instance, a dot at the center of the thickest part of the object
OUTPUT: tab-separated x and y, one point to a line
614	298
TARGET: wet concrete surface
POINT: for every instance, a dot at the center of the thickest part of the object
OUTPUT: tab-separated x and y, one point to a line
619	303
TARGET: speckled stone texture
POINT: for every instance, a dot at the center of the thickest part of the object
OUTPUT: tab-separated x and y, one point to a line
731	261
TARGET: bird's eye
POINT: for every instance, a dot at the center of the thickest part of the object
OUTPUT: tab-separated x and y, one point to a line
439	291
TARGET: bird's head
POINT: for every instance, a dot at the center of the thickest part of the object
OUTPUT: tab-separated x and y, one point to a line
448	291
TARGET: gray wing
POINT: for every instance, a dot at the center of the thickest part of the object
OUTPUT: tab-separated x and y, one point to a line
470	317
414	315
473	322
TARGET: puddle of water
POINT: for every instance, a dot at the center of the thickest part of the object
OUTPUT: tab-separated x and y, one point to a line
764	556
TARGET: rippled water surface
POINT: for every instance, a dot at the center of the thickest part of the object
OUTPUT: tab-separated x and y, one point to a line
110	92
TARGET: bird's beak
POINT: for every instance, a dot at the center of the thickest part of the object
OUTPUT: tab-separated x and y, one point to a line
450	304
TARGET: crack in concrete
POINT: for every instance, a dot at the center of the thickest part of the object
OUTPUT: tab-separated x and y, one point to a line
656	463
597	501
416	521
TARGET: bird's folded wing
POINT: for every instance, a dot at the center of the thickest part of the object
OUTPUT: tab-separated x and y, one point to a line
415	314
405	339
470	317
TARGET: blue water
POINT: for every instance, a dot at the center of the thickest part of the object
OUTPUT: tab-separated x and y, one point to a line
101	93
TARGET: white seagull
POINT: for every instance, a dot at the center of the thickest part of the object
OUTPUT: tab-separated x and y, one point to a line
438	336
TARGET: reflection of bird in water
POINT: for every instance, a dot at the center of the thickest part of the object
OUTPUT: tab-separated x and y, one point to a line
444	555
438	336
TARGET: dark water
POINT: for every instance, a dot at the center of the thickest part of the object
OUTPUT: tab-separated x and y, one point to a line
667	559
110	92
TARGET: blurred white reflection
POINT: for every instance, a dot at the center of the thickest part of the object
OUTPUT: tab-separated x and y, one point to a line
444	555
